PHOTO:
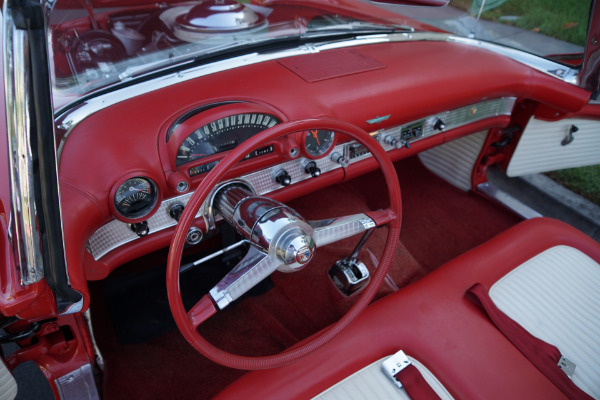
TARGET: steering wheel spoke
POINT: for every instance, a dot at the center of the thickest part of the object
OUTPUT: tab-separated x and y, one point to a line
328	231
250	271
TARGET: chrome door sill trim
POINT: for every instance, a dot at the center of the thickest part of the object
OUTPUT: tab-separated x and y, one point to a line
509	201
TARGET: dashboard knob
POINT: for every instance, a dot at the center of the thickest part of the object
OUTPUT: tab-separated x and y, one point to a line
339	159
312	169
175	211
392	141
194	236
140	228
283	178
439	125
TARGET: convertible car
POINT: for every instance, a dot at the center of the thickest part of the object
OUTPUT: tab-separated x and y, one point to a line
282	199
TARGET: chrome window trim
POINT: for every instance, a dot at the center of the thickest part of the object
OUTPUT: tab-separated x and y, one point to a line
24	233
69	116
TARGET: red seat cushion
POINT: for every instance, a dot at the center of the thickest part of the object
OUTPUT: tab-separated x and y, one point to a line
433	322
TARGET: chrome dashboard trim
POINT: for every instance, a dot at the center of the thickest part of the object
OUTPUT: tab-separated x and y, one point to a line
70	115
557	70
117	233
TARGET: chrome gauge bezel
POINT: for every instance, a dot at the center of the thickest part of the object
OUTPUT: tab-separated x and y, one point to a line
147	210
320	151
211	135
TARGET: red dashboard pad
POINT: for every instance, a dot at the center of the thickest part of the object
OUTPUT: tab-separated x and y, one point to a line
331	64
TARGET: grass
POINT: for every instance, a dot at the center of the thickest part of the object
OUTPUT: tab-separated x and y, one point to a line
584	181
565	20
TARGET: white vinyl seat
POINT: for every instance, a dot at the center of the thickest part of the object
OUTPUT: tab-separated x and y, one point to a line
555	296
371	383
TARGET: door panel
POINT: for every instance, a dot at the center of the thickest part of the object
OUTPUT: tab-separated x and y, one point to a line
546	146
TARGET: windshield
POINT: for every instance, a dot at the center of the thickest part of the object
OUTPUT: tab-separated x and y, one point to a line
100	45
548	28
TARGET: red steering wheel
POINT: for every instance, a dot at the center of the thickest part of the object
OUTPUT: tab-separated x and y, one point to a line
271	252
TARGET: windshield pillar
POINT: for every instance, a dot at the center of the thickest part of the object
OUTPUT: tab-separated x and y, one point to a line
35	219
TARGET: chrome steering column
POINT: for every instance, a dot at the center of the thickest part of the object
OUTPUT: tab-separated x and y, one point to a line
281	240
271	227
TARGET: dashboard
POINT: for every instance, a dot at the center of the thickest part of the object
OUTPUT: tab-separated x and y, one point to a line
128	168
319	154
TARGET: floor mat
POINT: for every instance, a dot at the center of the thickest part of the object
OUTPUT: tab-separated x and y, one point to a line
441	221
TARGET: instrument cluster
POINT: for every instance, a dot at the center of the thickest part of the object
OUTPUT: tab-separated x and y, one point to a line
197	141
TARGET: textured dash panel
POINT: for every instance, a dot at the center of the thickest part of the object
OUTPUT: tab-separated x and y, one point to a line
540	149
555	297
8	385
454	161
371	383
330	64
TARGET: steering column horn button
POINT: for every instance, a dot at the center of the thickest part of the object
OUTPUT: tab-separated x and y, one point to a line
297	249
271	227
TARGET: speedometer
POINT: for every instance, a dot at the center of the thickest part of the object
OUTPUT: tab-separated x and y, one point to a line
222	135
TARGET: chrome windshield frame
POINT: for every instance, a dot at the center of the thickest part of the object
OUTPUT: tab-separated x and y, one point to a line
36	233
24	233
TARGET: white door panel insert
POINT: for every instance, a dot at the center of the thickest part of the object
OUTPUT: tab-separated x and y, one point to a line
541	147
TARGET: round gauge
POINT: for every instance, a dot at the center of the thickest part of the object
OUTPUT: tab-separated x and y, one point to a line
318	142
135	197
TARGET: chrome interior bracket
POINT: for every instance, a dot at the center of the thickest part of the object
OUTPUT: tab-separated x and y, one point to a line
395	364
567	366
